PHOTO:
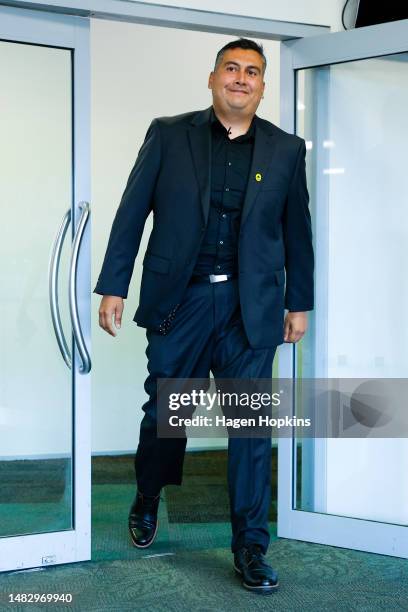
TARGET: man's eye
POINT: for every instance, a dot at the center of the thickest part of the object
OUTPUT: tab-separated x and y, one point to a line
231	68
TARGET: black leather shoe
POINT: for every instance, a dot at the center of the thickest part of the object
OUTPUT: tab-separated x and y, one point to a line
143	521
257	575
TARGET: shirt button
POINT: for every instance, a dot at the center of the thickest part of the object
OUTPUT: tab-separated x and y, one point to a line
229	163
224	215
218	267
221	242
227	189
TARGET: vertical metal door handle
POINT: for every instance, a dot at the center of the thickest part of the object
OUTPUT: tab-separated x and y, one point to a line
53	288
85	366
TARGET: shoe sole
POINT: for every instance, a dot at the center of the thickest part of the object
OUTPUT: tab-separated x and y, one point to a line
144	545
264	590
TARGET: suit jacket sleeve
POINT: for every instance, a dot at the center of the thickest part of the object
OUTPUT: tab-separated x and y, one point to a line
297	234
130	218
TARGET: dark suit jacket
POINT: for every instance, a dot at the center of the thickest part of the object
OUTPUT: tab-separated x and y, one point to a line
171	177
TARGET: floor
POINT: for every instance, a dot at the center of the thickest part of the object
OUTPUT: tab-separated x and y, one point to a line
189	566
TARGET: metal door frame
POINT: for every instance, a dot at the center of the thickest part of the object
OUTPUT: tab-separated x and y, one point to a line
132	11
345	532
56	30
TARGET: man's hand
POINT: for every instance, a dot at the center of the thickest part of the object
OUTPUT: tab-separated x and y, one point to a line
295	326
111	307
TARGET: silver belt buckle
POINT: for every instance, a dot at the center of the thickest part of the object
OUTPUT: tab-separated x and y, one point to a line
216	278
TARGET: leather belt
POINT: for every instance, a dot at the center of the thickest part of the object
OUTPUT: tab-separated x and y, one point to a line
212	278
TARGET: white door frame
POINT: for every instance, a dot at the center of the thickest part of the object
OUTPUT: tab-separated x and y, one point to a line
33	550
345	532
177	17
295	54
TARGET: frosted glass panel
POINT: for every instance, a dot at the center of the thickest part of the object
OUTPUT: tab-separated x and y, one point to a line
35	383
354	120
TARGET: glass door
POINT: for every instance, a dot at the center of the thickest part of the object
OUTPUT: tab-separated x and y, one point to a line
44	290
346	94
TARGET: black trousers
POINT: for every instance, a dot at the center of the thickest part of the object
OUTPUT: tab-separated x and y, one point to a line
206	335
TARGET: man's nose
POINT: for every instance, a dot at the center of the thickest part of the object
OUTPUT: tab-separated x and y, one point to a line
241	77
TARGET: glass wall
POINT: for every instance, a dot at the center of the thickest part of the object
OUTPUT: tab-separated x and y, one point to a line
35	382
354	120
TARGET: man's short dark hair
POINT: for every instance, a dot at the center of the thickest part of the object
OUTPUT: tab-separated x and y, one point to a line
241	43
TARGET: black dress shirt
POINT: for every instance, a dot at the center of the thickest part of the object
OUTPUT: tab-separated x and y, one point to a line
230	166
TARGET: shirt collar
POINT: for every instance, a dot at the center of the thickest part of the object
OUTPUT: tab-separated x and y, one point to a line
216	124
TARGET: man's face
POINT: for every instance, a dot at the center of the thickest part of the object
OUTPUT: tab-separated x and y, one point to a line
237	83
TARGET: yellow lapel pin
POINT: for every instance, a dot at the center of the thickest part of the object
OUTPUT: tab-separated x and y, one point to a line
258	176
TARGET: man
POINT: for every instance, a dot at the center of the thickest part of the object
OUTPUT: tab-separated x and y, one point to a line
230	202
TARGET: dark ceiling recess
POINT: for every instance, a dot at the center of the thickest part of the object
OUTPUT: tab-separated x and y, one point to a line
371	13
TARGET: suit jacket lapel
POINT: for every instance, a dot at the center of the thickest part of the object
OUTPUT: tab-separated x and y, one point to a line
200	142
264	149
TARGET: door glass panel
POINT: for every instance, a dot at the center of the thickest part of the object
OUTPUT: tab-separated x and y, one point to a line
354	120
35	383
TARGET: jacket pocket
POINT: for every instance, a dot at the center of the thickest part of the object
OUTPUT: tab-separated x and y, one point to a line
156	263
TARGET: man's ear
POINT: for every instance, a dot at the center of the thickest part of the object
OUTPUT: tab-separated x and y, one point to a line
210	80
